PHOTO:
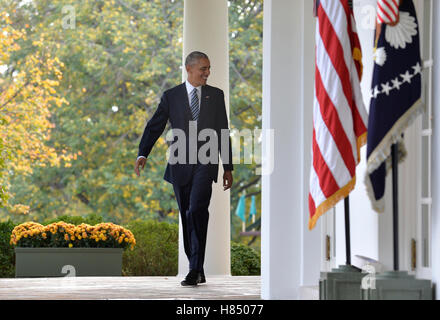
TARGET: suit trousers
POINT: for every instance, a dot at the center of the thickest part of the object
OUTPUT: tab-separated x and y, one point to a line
193	200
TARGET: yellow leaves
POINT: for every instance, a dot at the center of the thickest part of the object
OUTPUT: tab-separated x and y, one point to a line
5	17
161	141
126	194
154	205
249	120
19	209
26	102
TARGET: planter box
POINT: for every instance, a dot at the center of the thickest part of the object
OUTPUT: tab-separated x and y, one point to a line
61	262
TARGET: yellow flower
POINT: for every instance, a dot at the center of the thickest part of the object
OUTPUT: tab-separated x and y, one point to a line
70	245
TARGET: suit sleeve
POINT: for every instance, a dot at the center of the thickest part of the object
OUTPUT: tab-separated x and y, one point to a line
154	128
225	147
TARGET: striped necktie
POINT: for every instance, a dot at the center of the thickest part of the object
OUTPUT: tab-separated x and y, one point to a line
195	105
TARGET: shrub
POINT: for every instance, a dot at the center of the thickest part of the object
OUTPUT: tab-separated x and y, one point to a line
7	258
90	219
156	252
245	261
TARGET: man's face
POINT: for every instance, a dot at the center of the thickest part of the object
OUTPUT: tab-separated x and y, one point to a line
198	73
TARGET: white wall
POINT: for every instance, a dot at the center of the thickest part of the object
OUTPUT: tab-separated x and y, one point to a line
435	239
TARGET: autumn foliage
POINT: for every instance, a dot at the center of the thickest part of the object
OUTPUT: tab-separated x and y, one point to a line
27	95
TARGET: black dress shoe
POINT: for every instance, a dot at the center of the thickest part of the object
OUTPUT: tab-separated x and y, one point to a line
202	277
192	279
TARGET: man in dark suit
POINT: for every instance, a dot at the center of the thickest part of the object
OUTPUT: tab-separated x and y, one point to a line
191	107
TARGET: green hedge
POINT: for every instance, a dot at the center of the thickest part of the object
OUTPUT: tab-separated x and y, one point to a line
156	251
245	261
91	219
7	257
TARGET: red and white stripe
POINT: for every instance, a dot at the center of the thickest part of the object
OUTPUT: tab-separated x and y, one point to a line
339	115
387	11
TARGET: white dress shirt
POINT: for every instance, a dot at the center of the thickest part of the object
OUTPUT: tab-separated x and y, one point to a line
189	90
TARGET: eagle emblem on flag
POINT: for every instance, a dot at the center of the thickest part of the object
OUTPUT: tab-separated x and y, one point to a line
396	90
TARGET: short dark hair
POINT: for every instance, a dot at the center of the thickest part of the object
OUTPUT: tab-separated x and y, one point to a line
194	56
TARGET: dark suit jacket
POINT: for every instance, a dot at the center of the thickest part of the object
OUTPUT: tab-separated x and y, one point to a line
174	106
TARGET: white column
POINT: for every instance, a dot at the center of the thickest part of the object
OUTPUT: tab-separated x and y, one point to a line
435	229
205	29
363	219
290	253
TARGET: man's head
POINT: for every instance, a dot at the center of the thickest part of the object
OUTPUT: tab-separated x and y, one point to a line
198	68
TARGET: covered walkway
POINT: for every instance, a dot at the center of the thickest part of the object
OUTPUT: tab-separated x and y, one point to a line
121	288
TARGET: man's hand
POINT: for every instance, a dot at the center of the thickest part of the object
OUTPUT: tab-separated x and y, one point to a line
227	180
140	163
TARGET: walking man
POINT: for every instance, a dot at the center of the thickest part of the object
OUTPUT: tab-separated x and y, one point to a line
192	107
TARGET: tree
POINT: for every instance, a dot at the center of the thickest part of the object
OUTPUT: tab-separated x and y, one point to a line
246	59
27	93
118	58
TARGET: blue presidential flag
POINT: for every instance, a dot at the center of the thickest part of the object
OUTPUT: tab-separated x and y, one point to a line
396	89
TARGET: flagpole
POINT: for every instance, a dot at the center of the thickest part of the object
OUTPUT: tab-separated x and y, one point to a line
347	231
395	207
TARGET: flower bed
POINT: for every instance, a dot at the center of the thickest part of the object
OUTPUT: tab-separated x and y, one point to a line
62	248
66	235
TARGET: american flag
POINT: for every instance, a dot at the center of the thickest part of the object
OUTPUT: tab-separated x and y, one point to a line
387	11
339	115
